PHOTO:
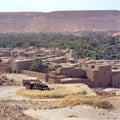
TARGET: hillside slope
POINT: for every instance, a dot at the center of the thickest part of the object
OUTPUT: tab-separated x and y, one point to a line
60	21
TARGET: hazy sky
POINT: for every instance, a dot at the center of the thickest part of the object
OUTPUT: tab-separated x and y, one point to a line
55	5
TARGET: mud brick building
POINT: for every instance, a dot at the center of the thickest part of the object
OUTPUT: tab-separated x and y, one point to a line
18	65
62	66
116	78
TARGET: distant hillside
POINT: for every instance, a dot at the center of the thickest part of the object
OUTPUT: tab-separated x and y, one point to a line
61	21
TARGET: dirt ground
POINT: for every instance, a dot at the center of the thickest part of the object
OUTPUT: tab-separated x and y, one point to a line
14	107
74	113
13	79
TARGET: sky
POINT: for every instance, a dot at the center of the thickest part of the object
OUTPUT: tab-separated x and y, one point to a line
57	5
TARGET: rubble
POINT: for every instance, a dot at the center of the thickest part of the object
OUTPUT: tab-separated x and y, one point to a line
94	73
8	112
4	81
106	93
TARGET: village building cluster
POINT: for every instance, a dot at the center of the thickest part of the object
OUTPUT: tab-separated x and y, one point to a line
63	66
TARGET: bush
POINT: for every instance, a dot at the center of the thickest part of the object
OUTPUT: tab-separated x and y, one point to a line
37	65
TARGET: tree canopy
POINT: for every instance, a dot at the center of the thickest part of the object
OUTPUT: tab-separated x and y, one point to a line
96	45
37	65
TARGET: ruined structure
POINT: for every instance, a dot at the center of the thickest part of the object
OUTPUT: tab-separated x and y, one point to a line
18	65
62	66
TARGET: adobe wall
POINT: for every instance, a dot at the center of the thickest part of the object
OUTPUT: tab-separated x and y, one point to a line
100	74
64	71
115	72
5	53
78	80
70	54
53	81
41	76
59	60
5	69
116	81
70	80
88	82
92	75
77	72
105	76
74	72
16	66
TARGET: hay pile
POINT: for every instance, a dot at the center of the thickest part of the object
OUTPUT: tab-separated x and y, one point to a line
59	91
95	101
70	96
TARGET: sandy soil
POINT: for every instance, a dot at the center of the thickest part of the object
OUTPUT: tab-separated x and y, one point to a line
39	109
8	112
18	77
74	113
9	93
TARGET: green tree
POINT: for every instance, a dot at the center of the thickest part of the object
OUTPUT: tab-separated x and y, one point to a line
37	65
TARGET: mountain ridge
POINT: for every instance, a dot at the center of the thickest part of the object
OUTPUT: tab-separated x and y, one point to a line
60	21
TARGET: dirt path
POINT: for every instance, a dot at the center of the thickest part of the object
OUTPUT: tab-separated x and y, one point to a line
116	102
42	113
9	93
74	113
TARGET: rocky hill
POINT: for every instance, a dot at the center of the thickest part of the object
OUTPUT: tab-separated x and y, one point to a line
60	21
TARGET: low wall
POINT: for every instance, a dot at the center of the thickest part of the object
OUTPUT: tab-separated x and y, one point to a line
116	81
5	69
53	79
78	80
88	82
41	76
72	72
115	72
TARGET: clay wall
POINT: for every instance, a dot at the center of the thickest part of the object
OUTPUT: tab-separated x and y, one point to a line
100	74
92	75
73	72
16	66
88	82
41	76
105	76
116	81
4	53
6	69
78	80
115	72
59	60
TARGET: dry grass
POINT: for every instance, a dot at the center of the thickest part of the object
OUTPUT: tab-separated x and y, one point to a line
71	96
115	97
95	101
58	92
73	116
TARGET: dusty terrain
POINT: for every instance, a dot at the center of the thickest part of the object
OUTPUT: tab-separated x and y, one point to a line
60	21
14	107
74	113
13	79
